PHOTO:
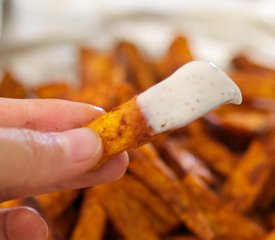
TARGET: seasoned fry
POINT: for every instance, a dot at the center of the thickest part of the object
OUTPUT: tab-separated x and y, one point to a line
139	72
11	88
214	153
178	54
127	214
244	121
92	219
54	90
148	167
255	84
117	93
120	129
98	67
146	115
249	178
224	221
164	220
181	237
270	236
11	204
183	161
245	64
55	203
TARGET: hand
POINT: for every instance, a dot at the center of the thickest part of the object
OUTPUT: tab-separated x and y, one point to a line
40	153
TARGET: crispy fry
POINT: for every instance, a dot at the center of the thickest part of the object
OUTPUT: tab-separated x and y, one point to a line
242	120
270	236
183	161
92	220
55	203
255	84
214	153
148	167
63	225
11	204
98	67
243	63
249	178
164	220
54	90
117	93
139	72
178	54
224	221
120	129
127	213
11	88
181	237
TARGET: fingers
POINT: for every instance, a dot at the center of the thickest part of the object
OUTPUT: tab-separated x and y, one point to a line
31	161
109	172
22	223
46	114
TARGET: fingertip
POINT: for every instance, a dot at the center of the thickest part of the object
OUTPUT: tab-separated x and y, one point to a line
120	164
25	223
81	145
110	172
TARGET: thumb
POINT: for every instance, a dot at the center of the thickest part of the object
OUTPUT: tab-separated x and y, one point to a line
31	160
22	223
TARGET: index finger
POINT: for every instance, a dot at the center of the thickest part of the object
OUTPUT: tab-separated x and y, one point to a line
46	114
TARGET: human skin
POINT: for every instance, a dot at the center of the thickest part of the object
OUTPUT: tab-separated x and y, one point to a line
44	148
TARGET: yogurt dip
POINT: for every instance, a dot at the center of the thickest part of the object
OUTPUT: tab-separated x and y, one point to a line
189	93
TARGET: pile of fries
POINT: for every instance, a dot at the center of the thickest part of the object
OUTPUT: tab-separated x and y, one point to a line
210	180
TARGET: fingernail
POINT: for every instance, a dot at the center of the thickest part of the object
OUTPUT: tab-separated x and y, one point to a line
98	109
25	223
81	144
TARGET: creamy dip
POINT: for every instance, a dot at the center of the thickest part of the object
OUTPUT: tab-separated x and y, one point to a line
193	90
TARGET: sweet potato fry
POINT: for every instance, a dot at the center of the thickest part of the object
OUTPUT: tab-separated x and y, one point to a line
148	167
138	70
92	219
249	178
55	203
242	120
224	221
11	204
181	237
98	67
54	90
178	54
120	129
164	220
270	236
11	88
255	84
214	153
64	224
183	161
244	63
101	94
126	213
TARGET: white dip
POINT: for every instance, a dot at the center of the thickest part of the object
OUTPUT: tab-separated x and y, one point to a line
193	90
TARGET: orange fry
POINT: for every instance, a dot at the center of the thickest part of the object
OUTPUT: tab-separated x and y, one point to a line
126	213
249	178
139	72
92	220
55	203
224	221
148	167
11	88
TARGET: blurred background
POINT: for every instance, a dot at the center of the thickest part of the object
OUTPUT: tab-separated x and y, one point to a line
39	39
